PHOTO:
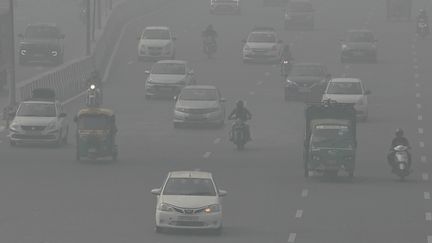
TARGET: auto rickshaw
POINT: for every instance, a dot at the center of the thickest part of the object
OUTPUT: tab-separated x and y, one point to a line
95	136
399	9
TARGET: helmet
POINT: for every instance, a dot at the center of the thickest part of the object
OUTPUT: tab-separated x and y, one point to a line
399	132
240	104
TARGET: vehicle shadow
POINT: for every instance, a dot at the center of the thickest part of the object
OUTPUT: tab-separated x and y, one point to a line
363	180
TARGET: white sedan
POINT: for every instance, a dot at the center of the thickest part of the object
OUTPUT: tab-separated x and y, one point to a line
189	200
349	90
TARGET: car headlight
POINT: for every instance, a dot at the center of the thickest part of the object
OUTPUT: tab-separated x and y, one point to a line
51	126
180	109
150	82
344	47
14	127
54	53
23	52
289	82
212	208
165	207
315	157
247	48
274	48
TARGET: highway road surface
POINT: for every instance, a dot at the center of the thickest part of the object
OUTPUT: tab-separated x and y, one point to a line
47	196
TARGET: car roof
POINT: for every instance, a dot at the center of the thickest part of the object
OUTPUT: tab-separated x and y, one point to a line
190	174
359	30
200	87
157	28
345	80
43	24
35	101
172	61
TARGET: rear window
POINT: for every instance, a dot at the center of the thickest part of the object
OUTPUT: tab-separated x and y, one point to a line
169	68
42	32
347	88
36	110
189	187
199	94
156	34
360	36
300	7
262	37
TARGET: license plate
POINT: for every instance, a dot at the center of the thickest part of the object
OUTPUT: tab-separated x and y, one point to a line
33	133
165	89
92	150
304	89
187	218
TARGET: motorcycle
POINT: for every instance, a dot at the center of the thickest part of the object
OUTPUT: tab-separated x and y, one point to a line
286	66
93	96
401	161
210	46
422	29
238	134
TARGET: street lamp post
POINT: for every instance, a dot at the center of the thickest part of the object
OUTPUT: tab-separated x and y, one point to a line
88	34
12	91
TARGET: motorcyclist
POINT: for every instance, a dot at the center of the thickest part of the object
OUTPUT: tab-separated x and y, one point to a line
209	34
286	60
398	140
242	113
422	16
95	79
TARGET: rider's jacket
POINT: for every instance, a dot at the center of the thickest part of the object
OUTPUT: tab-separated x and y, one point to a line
399	141
242	114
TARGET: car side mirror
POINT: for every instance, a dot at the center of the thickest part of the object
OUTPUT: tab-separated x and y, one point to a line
156	191
20	35
147	72
222	193
175	98
62	115
367	92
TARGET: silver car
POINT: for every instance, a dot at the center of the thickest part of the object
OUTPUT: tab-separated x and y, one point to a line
167	78
262	45
359	45
199	104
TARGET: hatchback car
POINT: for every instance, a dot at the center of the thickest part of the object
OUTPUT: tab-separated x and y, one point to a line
225	6
299	14
199	104
306	80
349	90
262	45
189	200
359	45
168	77
156	43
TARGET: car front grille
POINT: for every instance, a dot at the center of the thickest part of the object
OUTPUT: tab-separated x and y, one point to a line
189	223
189	210
199	111
33	128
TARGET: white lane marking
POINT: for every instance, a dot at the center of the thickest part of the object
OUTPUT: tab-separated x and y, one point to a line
428	216
217	140
415	66
419	106
292	237
260	82
418	95
413	46
299	214
39	68
130	62
414	53
429	239
425	176
417	85
416	75
421	144
419	117
207	155
420	131
423	159
415	60
304	192
267	74
252	93
426	195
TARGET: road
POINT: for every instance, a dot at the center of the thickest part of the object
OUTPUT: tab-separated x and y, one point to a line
49	197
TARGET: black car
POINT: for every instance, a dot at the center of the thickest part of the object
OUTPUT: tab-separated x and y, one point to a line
41	43
307	81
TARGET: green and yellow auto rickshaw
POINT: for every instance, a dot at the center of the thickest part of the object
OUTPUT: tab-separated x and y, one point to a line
95	135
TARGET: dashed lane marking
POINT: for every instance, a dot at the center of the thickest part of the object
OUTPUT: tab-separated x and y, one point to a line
428	216
207	155
420	117
425	176
260	82
130	62
429	239
413	46
414	53
416	67
417	85
420	131
304	192
419	106
292	238
217	140
423	159
426	195
416	75
299	214
418	95
415	60
267	74
421	144
252	93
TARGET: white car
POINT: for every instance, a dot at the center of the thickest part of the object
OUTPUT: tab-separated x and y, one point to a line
156	43
189	200
39	121
225	6
262	45
167	78
349	90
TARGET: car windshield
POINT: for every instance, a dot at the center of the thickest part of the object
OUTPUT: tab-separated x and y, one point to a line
360	37
332	136
199	94
93	122
169	68
303	70
189	186
262	37
41	32
155	34
300	7
36	109
346	88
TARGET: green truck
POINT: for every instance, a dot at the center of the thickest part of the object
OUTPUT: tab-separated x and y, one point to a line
330	139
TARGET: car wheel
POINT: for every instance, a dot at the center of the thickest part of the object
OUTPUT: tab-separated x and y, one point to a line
22	61
158	229
65	138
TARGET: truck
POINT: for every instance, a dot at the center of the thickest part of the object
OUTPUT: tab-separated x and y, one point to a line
5	51
330	138
399	9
